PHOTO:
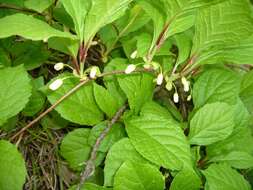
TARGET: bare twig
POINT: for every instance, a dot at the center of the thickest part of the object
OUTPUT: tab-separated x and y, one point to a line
69	93
90	166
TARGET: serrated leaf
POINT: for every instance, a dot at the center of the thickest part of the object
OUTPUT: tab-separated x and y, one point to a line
246	91
37	99
216	85
221	25
29	27
223	177
115	134
12	170
105	100
120	152
239	140
136	176
15	90
38	5
236	159
101	13
80	107
137	87
77	9
155	133
186	179
213	122
90	186
76	149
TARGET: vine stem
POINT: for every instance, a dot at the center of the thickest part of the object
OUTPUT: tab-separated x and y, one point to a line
69	93
90	166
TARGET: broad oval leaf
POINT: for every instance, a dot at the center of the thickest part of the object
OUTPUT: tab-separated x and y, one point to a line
136	176
223	177
236	159
216	85
29	27
15	90
101	13
76	149
120	152
80	107
12	170
213	122
155	133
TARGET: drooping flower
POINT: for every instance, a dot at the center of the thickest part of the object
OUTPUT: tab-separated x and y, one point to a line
56	84
58	66
94	72
159	79
189	98
134	54
130	68
186	84
169	86
176	97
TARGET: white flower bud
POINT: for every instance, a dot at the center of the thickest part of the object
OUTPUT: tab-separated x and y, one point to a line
169	86
176	97
184	80
93	72
186	84
58	66
189	98
134	54
159	79
45	40
130	68
56	84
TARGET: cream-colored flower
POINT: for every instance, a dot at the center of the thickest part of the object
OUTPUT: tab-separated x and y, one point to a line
159	79
134	54
189	98
186	84
130	68
176	97
169	86
58	66
94	72
56	84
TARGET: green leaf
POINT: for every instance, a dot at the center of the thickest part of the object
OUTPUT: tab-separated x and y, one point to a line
136	176
138	87
101	13
38	5
212	123
239	140
216	85
223	177
90	186
246	91
236	159
31	54
76	149
120	152
37	99
78	10
186	179
15	90
12	170
80	107
105	100
221	25
155	133
29	27
116	133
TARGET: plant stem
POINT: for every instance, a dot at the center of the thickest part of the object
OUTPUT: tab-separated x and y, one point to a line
69	93
90	166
